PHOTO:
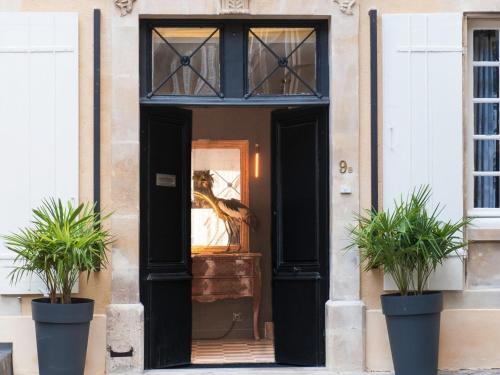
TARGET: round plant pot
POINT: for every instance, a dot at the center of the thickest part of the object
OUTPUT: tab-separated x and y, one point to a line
413	324
62	333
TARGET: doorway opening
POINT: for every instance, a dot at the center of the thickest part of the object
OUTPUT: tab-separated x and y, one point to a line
231	236
234	235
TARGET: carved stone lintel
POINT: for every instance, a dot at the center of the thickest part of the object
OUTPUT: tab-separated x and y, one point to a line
125	6
346	6
235	6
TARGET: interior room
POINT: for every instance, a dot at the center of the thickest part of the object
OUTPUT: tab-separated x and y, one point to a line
231	236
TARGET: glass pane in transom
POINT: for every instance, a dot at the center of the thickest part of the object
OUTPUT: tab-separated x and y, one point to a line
186	61
282	61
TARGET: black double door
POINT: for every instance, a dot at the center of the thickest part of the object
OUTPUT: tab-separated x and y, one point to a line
300	212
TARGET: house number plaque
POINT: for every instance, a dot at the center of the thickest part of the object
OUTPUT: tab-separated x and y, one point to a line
166	180
344	167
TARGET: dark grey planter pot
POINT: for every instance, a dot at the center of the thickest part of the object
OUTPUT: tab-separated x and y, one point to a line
413	324
62	333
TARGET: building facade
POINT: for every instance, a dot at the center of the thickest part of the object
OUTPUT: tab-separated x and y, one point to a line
437	119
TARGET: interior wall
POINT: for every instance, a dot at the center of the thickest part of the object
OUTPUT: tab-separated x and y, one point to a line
252	124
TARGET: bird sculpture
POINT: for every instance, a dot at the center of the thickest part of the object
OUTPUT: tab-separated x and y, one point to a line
231	211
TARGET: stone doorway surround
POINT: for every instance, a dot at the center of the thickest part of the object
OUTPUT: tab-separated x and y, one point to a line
344	310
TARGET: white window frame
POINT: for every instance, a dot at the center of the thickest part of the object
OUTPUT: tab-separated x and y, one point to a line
489	217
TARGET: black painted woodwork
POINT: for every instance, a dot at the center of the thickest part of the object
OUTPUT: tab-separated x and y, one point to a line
233	60
300	234
374	107
97	110
165	261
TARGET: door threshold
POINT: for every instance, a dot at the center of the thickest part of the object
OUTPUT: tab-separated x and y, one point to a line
270	369
233	365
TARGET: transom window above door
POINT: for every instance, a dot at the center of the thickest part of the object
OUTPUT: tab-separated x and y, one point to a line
234	60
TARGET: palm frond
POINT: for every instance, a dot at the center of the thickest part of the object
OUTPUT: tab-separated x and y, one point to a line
408	242
61	242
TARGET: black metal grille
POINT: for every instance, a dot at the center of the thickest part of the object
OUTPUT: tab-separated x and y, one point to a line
185	62
282	62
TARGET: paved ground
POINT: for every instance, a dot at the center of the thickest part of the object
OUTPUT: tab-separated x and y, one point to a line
293	371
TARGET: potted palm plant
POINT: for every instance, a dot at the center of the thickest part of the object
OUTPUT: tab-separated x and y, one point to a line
408	243
62	242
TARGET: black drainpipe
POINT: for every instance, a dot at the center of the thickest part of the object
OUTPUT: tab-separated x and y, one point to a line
374	106
97	110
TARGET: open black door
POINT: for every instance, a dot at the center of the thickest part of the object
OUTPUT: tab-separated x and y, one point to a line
300	234
165	263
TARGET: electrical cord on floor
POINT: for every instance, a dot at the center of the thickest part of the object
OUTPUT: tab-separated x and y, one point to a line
229	330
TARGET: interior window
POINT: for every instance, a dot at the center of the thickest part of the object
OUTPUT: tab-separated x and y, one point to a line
186	61
486	119
281	61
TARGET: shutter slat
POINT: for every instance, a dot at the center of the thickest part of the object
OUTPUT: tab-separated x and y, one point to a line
422	84
38	121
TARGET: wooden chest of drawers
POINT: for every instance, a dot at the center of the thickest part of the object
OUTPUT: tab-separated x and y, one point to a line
228	276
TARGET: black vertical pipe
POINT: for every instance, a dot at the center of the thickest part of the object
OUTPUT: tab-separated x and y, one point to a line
97	110
374	107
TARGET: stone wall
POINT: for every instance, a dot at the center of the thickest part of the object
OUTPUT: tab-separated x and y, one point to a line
350	141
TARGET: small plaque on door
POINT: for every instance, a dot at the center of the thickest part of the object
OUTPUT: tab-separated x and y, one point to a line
167	180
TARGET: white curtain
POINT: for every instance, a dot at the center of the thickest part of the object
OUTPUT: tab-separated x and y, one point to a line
486	152
206	62
185	81
262	61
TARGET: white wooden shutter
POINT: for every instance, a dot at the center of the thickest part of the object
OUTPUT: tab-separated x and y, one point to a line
38	121
422	110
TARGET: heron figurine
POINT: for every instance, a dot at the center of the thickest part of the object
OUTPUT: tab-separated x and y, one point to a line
231	211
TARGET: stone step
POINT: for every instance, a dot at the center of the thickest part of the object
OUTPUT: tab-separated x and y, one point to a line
283	370
6	359
274	370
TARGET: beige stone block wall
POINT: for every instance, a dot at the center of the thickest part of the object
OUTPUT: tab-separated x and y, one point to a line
344	116
469	339
470	328
99	285
372	282
482	266
20	330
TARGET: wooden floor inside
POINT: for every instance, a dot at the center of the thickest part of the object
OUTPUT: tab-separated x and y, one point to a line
229	351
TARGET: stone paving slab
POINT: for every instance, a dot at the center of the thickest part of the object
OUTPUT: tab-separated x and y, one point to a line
294	371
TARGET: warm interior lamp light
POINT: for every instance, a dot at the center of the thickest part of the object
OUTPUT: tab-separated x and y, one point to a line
257	160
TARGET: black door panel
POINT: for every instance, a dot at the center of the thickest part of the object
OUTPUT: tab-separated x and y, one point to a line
298	331
298	199
165	235
170	345
300	234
